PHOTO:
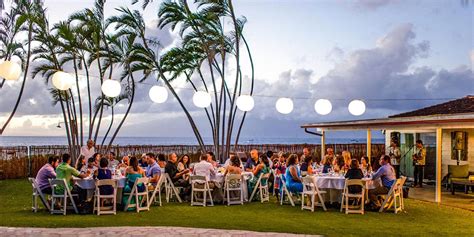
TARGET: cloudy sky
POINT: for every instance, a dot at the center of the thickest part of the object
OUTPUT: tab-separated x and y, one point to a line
339	50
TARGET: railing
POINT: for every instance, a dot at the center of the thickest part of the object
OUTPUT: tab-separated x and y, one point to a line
25	161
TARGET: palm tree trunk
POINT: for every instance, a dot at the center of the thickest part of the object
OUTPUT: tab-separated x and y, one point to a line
73	141
66	124
110	126
80	103
89	96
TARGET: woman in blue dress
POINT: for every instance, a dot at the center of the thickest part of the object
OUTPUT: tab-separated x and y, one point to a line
133	172
293	175
262	168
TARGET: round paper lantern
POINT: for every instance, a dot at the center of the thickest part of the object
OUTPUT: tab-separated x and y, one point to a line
323	106
284	105
10	70
357	107
62	80
245	103
202	99
111	88
158	94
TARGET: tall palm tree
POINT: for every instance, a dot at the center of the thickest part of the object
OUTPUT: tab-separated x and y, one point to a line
110	102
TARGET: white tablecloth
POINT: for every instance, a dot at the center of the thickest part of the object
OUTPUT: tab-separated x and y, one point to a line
89	183
334	185
219	178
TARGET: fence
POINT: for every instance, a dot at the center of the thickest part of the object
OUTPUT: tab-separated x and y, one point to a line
25	161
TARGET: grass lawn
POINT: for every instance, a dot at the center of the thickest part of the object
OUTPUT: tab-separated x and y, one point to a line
420	219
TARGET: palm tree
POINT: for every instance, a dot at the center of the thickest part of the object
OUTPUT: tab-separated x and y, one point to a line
28	15
110	102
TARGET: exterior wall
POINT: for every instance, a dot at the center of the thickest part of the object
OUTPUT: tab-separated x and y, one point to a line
446	150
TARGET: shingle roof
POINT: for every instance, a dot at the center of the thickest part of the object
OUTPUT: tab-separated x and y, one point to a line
459	106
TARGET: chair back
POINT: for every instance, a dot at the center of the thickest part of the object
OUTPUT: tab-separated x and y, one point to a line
33	184
354	182
233	181
458	171
55	183
104	182
308	184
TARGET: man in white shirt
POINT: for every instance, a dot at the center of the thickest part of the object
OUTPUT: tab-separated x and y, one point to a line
113	163
204	168
88	150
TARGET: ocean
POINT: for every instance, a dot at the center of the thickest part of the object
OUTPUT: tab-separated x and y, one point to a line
57	140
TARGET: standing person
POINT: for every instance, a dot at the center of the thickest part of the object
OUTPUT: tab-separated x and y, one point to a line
45	173
88	150
419	160
251	163
387	174
395	155
112	161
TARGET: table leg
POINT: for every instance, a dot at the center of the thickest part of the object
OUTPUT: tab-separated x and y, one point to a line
452	188
465	188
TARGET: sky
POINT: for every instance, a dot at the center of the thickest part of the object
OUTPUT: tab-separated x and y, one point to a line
303	49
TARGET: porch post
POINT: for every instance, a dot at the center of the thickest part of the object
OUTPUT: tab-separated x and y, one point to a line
323	144
439	136
369	145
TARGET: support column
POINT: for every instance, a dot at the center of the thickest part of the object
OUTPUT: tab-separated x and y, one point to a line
439	136
369	145
323	143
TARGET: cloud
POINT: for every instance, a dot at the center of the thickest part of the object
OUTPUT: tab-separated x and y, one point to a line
373	4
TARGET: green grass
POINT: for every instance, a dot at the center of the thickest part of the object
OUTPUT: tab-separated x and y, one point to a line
420	219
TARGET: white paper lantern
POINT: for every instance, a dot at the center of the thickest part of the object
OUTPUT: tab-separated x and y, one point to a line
158	94
357	107
202	99
284	105
111	88
10	70
62	80
323	106
245	103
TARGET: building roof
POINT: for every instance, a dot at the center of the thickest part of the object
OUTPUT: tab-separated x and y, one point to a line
458	106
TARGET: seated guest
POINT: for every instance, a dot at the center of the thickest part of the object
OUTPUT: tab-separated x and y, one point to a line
364	165
90	168
113	163
66	171
96	157
125	162
307	165
171	168
263	167
252	162
143	161
162	162
338	164
45	173
292	175
327	165
269	155
228	161
132	173
81	162
153	170
329	156
183	162
234	166
104	173
387	174
204	168
347	160
354	173
279	166
211	158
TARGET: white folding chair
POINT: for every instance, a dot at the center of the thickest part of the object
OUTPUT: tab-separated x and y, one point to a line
62	197
37	193
393	198
262	188
196	182
310	188
403	179
170	189
134	193
233	183
359	198
157	189
284	191
99	197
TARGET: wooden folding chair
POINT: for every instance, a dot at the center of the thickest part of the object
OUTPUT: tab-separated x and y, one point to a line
359	198
393	198
99	197
37	193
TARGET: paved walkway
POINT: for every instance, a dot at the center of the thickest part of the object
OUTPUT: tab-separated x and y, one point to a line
132	231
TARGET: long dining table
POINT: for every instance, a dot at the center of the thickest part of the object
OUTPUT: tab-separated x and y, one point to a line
333	184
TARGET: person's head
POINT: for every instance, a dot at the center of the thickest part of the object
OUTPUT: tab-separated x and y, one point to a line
231	155
150	158
134	163
90	143
66	158
96	157
104	163
184	159
126	160
306	151
282	156
384	159
81	160
161	160
111	155
292	160
53	161
172	158
264	160
269	154
354	164
91	162
328	161
393	143
210	156
339	160
204	157
347	157
364	160
419	143
235	161
254	154
330	151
